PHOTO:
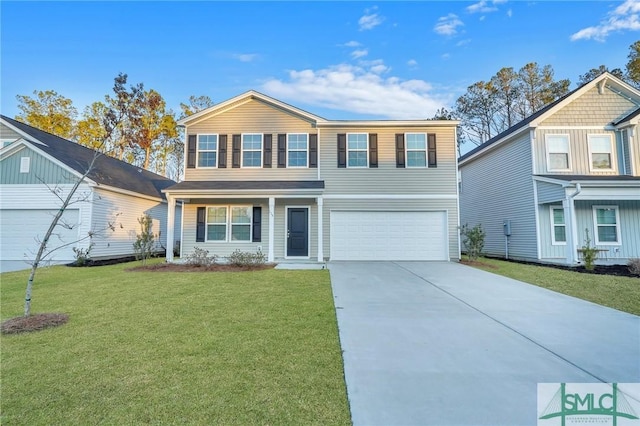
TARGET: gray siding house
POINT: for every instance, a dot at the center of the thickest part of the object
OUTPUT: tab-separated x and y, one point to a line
264	175
570	169
37	169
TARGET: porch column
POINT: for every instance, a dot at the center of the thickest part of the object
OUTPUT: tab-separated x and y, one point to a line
272	227
171	210
571	230
319	200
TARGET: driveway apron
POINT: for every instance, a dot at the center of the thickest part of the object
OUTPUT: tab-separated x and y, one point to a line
440	343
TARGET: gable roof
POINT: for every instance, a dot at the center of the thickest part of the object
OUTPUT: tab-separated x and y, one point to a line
107	170
551	108
629	117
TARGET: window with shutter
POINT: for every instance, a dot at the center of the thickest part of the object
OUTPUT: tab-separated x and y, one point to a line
400	150
373	150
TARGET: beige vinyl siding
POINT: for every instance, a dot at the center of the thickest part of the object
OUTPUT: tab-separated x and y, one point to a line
629	212
549	192
498	186
626	151
41	170
450	206
387	178
548	251
592	109
634	141
579	157
7	133
124	211
252	117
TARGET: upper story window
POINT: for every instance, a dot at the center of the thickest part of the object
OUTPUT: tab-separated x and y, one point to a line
559	231
558	153
416	146
357	149
607	223
207	150
600	152
252	150
297	149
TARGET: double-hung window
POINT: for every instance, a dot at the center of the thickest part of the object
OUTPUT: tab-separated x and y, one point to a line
607	224
229	223
601	152
357	149
207	150
416	144
559	230
558	153
297	149
252	150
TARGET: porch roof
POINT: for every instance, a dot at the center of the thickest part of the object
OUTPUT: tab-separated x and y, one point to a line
258	186
592	178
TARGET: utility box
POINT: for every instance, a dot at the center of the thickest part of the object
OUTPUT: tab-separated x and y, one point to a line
507	227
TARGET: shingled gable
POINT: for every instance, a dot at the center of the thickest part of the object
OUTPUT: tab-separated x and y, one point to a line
549	109
107	170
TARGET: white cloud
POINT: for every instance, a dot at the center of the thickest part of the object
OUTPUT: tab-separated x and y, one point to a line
482	7
510	13
370	19
360	89
412	63
352	43
448	25
623	18
359	53
463	42
446	56
245	57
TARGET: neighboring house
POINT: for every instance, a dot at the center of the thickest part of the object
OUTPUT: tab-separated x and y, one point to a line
570	167
38	169
263	175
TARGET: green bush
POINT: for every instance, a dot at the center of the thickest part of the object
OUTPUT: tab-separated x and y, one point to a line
245	258
83	256
145	240
589	253
200	257
473	240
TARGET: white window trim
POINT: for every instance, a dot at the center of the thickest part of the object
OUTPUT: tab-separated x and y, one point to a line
546	141
595	226
217	150
612	152
297	150
228	224
251	150
6	142
358	150
407	150
25	164
553	227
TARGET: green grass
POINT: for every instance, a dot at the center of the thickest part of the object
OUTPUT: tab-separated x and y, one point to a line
622	293
174	348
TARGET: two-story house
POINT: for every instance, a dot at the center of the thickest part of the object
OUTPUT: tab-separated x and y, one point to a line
263	175
570	169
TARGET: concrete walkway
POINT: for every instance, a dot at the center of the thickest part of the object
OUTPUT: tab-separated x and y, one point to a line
438	343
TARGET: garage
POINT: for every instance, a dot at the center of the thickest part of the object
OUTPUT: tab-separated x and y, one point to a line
22	231
389	235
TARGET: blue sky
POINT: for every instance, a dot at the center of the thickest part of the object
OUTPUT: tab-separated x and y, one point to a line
339	60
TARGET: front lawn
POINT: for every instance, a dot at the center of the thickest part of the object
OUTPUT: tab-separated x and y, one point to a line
174	348
622	293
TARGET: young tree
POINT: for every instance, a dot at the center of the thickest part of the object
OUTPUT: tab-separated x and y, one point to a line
478	109
538	88
505	85
48	111
633	66
126	104
90	129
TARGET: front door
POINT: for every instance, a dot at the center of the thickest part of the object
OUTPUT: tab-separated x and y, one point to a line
297	232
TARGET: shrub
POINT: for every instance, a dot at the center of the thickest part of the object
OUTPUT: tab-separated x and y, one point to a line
589	253
473	240
245	258
634	266
82	255
200	257
145	240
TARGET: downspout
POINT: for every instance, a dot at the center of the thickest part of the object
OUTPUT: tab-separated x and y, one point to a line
572	244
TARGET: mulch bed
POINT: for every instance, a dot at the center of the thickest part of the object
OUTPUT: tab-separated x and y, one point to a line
617	270
181	267
477	264
33	323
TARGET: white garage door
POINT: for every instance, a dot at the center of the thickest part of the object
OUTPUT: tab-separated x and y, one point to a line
22	230
377	235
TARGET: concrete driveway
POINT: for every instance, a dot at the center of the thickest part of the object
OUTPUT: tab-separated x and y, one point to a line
445	344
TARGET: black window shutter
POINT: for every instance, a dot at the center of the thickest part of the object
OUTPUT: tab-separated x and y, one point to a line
400	150
282	150
431	138
373	150
235	154
191	152
266	161
257	224
342	150
201	226
313	151
222	151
